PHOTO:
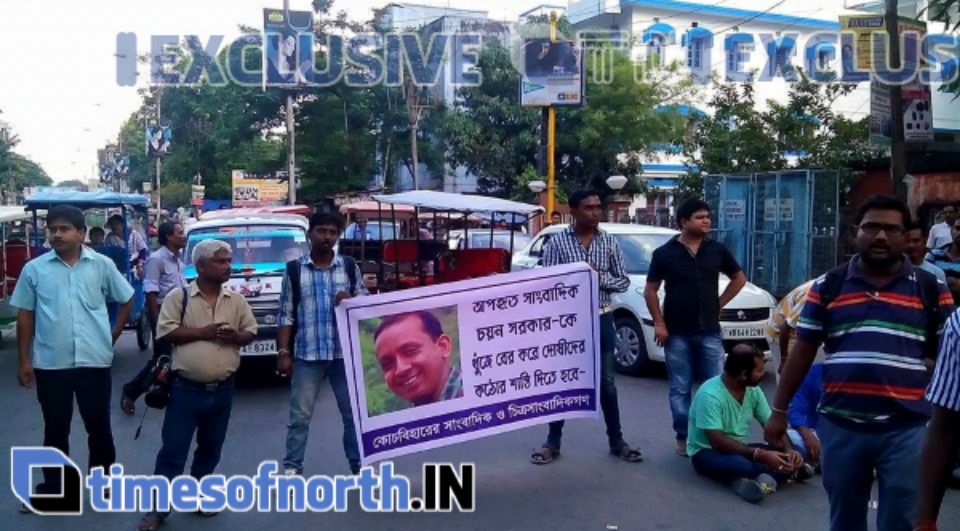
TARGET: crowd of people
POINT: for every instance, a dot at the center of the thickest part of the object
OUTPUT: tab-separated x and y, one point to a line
866	361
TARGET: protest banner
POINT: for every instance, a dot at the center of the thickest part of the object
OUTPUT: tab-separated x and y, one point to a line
438	365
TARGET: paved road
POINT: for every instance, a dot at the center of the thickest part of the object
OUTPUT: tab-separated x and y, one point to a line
586	489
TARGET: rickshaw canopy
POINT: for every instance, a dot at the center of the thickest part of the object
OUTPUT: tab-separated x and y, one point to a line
467	204
46	199
13	213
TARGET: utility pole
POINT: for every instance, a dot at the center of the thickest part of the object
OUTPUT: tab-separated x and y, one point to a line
291	134
551	119
898	151
159	157
412	97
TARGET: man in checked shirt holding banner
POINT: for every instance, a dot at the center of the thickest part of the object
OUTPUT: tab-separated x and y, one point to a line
585	242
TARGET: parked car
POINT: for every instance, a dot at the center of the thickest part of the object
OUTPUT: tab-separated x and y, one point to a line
742	320
482	239
262	245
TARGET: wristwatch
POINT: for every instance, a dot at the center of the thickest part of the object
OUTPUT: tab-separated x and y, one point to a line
283	352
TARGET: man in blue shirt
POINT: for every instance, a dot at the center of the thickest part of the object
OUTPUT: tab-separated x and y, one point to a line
802	416
64	338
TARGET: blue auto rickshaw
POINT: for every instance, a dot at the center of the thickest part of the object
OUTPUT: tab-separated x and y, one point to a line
102	200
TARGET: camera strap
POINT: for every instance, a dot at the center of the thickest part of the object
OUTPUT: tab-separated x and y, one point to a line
140	427
183	313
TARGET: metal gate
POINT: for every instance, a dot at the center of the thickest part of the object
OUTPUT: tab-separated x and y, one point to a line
780	226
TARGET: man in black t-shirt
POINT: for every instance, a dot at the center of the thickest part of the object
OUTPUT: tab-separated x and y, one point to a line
688	326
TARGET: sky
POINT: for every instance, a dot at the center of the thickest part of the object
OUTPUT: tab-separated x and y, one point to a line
59	92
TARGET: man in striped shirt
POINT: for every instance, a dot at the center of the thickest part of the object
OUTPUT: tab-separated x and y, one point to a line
585	242
876	331
943	435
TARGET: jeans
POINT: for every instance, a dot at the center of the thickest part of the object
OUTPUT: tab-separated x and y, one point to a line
55	392
194	409
797	441
699	355
726	468
307	377
849	460
608	389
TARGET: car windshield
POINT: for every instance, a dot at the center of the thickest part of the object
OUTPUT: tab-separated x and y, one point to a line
376	230
638	250
266	246
501	240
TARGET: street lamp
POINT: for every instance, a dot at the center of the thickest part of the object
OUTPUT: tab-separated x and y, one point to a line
537	186
617	182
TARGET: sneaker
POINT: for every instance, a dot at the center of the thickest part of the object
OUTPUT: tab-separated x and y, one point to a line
682	447
749	490
806	472
291	472
768	483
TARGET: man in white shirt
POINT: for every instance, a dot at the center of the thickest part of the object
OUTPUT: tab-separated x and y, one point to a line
940	234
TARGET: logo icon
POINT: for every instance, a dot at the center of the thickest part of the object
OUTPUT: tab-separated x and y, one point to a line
67	502
742	315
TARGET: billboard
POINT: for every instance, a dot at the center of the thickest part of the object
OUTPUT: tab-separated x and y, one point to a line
158	134
863	55
287	48
258	189
552	73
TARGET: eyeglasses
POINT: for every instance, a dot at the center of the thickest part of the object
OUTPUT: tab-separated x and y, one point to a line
874	228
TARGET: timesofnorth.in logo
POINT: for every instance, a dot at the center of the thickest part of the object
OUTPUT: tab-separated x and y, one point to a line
69	502
443	488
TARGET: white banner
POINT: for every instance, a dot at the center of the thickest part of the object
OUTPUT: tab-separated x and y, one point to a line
438	365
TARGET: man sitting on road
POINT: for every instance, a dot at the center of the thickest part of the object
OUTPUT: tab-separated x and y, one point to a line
719	422
802	416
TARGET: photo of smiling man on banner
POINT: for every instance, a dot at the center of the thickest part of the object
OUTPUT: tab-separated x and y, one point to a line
411	359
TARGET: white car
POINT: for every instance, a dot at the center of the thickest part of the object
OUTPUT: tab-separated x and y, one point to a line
742	320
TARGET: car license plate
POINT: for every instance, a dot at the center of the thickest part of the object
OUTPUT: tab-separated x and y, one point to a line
742	332
260	347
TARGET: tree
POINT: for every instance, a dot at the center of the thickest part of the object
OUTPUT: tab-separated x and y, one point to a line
739	138
623	120
948	13
17	171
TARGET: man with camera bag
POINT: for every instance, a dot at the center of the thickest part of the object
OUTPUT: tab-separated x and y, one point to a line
216	323
163	273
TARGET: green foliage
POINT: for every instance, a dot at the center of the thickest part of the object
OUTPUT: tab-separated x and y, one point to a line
17	171
619	125
380	399
739	138
948	13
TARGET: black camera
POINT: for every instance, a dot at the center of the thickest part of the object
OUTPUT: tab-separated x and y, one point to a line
158	394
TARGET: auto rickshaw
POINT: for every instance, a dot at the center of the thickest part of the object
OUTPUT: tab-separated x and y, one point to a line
14	253
420	257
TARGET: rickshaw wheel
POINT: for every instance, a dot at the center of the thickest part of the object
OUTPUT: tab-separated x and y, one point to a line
143	332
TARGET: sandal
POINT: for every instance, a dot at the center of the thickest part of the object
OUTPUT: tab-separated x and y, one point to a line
544	455
623	451
150	523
